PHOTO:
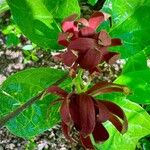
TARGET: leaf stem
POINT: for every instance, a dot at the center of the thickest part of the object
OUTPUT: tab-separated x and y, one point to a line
20	109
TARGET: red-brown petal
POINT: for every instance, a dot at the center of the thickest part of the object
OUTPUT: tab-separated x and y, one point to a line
91	59
87	114
116	122
104	38
111	57
74	110
68	58
101	85
116	42
82	44
103	113
87	32
83	21
115	109
95	71
100	134
86	142
96	19
107	90
65	113
57	90
68	23
69	26
63	39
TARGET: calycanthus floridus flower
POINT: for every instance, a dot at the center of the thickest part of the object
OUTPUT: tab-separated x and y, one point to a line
85	47
87	114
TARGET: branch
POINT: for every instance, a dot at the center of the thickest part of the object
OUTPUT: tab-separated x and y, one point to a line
20	109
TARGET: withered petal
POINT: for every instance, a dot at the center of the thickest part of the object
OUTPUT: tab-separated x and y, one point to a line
100	134
104	38
66	131
86	142
96	19
73	69
116	42
57	90
87	32
68	58
115	109
91	59
82	44
87	114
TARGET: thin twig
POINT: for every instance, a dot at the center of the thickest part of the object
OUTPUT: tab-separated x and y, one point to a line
20	109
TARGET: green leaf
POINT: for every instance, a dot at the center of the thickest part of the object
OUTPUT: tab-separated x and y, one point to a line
92	2
139	84
139	127
130	23
3	6
137	62
136	76
12	40
40	20
21	87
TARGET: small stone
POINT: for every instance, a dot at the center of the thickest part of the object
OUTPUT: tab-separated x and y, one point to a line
1	147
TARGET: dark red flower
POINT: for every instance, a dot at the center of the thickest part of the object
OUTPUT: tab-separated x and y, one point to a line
85	47
87	114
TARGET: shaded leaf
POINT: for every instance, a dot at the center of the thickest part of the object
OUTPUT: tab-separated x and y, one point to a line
40	21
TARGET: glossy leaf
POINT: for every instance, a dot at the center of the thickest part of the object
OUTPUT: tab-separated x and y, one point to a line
139	127
136	76
137	62
40	20
21	87
130	23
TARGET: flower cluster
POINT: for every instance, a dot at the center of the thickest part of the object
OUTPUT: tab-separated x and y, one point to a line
87	114
86	48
